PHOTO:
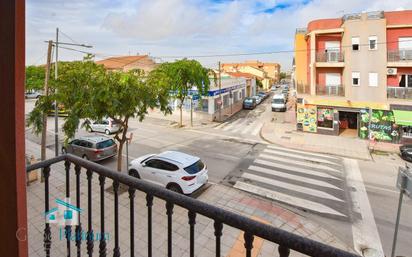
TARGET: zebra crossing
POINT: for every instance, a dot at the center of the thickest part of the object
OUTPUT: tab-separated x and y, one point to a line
309	181
241	126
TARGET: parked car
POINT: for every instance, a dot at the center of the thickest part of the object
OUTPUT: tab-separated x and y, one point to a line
273	88
257	98
249	103
278	103
263	95
61	111
94	148
106	125
32	95
406	152
177	171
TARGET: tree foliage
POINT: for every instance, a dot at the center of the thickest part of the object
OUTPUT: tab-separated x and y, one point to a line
180	77
88	91
35	78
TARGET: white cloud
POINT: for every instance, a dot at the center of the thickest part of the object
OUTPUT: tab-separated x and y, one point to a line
183	27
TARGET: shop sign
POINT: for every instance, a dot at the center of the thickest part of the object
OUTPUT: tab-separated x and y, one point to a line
380	126
306	115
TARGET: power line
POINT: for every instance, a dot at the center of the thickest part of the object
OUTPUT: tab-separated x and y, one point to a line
231	54
67	36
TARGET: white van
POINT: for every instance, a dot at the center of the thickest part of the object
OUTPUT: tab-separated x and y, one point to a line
279	103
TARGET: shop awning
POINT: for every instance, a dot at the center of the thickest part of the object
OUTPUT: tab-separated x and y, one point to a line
403	118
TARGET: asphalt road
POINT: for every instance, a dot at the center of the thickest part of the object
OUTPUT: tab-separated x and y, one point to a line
232	147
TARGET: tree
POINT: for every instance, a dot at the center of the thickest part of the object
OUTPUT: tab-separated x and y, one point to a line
181	77
282	75
88	91
35	78
259	84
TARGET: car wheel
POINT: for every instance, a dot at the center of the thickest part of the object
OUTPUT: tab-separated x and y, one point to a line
175	188
64	151
85	157
107	132
134	173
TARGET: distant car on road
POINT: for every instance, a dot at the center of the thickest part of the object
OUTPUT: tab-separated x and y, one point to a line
258	99
93	148
177	171
278	103
263	95
32	95
406	152
106	125
249	103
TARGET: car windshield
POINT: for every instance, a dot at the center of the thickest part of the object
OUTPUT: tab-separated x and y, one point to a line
278	101
195	167
105	144
249	100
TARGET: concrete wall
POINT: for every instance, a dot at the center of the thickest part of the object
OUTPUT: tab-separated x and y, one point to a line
365	60
321	74
301	59
393	81
321	39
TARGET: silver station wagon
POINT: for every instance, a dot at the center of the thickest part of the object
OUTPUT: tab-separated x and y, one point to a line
94	148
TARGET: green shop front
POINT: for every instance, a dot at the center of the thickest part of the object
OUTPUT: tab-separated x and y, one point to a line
403	119
350	119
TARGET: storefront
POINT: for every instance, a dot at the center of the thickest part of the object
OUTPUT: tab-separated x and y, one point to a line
403	119
351	120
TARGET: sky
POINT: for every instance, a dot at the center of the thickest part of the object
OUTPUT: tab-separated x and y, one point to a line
170	29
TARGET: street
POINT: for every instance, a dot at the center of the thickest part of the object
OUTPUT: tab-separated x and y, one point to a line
310	184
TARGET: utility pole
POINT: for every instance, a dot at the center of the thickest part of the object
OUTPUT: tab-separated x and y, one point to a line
56	110
46	92
220	93
56	119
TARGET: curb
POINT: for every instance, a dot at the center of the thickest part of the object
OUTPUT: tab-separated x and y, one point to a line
300	148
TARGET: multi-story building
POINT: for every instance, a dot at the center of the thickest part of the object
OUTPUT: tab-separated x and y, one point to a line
354	75
267	73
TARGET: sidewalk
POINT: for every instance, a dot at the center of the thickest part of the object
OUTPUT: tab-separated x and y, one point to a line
218	195
200	120
285	134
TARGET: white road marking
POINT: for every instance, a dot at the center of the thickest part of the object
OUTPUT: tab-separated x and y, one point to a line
293	177
231	137
307	164
250	127
302	157
231	125
221	125
240	126
290	186
296	169
288	199
297	151
364	231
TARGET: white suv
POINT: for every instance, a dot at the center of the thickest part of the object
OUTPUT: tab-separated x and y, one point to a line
174	170
107	126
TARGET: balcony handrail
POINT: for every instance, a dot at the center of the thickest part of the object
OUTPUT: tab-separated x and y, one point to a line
286	240
399	55
331	56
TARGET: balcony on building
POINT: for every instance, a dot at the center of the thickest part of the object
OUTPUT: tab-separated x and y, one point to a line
400	58
330	90
330	59
303	88
399	92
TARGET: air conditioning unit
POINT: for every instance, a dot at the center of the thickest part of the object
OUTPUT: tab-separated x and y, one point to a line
391	71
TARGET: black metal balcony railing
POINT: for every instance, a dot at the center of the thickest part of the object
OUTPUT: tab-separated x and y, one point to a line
338	90
399	92
400	56
303	88
251	228
331	56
